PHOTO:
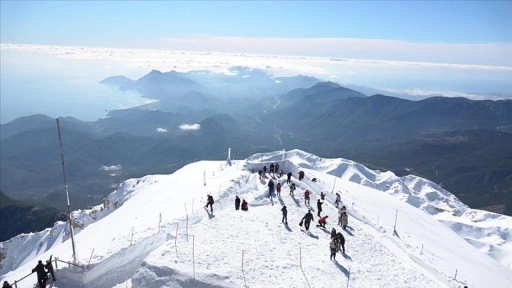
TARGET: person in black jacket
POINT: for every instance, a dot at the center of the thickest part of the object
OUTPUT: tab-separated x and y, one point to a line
270	188
237	203
6	285
341	242
289	179
307	219
210	203
285	215
41	274
319	206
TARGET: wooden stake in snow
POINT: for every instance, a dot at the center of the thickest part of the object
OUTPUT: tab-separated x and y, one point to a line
204	177
193	259
176	238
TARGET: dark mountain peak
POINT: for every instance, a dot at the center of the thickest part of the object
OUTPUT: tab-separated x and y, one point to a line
325	85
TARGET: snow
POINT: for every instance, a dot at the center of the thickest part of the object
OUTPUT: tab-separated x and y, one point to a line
155	232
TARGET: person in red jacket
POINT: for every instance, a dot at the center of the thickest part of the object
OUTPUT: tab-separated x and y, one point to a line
278	189
322	221
306	197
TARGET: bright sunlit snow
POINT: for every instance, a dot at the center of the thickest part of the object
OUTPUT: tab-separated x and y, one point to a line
155	232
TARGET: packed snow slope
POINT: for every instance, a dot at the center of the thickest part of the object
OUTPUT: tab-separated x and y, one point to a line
155	232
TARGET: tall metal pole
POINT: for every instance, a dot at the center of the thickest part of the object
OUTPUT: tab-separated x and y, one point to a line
67	195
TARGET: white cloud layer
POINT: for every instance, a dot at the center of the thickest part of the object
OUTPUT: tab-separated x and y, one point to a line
112	168
190	126
161	130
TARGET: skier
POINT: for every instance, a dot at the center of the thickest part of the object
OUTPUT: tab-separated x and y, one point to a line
6	285
341	242
333	247
278	189
270	188
271	169
307	220
344	220
41	274
289	179
292	188
210	202
338	200
322	196
244	205
306	197
322	221
285	215
237	203
49	268
319	206
301	175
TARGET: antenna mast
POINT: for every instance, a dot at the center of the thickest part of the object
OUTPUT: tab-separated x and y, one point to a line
67	195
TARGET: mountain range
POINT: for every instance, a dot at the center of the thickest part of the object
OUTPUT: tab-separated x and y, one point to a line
463	145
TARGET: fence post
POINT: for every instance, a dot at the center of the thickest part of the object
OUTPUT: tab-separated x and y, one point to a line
56	262
334	185
90	259
396	217
421	249
159	222
176	238
204	177
300	257
456	270
131	240
193	258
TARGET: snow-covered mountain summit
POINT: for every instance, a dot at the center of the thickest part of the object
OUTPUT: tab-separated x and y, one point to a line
155	232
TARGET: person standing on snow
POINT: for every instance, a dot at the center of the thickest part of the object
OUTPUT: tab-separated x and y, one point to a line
333	246
301	175
292	188
307	220
344	220
271	169
322	196
49	268
276	168
289	179
210	203
342	210
306	197
6	285
260	173
285	215
319	206
237	203
338	200
270	188
278	189
341	242
41	274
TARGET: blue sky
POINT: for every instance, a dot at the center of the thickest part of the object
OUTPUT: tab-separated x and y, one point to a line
456	48
142	24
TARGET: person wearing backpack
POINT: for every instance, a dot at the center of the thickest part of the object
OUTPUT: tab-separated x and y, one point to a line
292	188
210	202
